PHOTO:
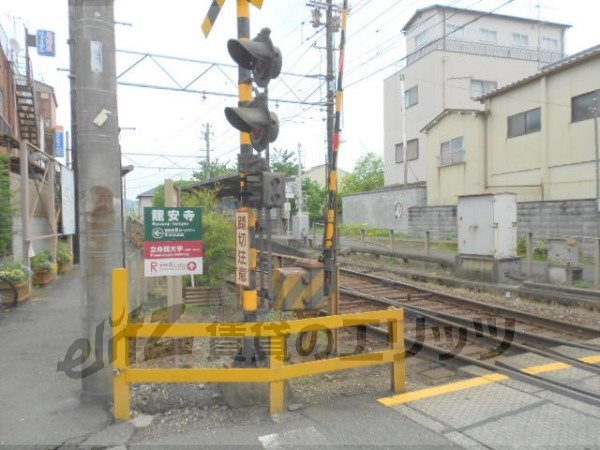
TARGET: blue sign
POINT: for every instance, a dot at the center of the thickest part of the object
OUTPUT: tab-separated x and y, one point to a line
59	144
46	43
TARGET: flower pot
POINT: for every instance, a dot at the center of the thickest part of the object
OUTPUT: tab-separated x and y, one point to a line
23	290
65	267
43	278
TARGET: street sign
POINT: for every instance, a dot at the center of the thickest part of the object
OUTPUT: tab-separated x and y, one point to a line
173	241
59	142
242	249
46	43
290	189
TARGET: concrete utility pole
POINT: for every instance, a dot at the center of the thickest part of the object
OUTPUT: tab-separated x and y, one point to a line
98	164
299	180
403	114
207	141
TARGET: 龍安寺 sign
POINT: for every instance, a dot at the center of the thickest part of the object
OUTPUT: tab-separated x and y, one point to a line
242	249
173	241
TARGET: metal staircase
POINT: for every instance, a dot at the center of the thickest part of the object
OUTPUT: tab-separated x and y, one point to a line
26	112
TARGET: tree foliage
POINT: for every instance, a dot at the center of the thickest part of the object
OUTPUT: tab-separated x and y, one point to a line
285	161
217	168
366	176
315	197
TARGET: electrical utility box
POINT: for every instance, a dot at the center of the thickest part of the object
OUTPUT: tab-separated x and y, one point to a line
487	237
487	225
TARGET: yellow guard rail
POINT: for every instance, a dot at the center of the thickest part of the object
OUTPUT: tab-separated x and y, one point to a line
277	332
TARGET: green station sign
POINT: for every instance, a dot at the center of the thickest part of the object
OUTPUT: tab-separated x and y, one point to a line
172	224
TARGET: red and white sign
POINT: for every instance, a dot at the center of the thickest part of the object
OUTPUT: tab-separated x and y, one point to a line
161	267
173	249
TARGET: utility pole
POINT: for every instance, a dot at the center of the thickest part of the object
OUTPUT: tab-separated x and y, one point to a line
207	142
98	168
330	78
403	114
331	23
299	179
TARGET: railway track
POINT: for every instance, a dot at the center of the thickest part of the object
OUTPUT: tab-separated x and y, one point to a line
457	330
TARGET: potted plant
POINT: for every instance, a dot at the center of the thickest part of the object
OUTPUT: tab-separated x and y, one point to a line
44	269
64	258
19	275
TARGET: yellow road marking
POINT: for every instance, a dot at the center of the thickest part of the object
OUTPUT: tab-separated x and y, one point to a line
441	390
482	380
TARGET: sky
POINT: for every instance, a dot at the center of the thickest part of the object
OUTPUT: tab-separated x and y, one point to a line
170	125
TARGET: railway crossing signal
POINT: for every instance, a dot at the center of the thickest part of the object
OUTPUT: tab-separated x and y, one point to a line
258	55
263	59
256	119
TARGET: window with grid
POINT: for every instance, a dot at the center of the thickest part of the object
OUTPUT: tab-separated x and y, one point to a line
412	151
452	152
525	123
486	35
455	31
421	39
520	40
585	106
550	44
411	97
482	87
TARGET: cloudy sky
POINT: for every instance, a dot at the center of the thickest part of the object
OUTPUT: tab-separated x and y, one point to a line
165	123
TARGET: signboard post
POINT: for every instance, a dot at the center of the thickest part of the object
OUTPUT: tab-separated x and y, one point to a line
242	249
173	241
46	43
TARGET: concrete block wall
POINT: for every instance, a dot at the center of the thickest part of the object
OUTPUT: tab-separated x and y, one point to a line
543	219
568	217
386	208
439	220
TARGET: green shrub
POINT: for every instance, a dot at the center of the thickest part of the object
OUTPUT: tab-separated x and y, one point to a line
15	272
6	207
540	249
219	237
522	245
42	262
63	255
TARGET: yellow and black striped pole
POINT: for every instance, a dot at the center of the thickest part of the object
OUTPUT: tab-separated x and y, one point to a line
329	247
249	295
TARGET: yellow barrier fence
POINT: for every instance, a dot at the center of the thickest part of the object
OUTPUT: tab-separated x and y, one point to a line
277	332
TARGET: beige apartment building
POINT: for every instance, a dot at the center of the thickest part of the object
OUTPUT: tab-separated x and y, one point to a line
454	56
537	137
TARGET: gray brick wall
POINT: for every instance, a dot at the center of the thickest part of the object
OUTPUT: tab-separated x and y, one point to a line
439	220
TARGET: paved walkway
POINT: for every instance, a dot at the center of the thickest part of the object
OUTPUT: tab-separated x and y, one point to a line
40	406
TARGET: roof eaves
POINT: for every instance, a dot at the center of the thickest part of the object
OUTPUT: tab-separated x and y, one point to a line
563	64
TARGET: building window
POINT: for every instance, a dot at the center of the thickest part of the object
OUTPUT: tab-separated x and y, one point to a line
585	106
550	44
482	87
520	40
452	152
525	123
412	151
486	35
455	31
1	103
421	39
411	97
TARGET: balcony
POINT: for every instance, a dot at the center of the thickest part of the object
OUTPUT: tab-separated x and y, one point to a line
451	158
485	49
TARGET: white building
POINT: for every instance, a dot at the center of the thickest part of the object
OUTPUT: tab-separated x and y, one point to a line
453	56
